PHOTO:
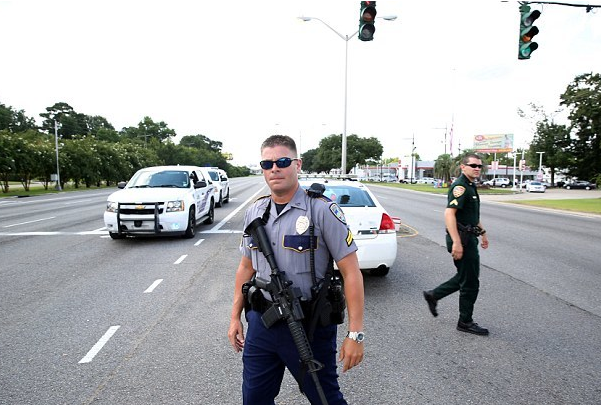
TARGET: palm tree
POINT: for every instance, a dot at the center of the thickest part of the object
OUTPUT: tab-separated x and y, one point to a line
443	167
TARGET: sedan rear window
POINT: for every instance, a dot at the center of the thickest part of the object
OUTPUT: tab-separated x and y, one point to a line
349	196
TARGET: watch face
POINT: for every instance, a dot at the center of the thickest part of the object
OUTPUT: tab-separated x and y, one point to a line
360	337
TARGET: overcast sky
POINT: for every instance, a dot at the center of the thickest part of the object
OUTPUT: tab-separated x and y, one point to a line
238	71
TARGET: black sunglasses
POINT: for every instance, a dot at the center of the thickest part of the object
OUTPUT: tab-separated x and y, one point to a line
474	166
281	163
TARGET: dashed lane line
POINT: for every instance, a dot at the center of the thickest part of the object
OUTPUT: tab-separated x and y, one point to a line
99	345
153	286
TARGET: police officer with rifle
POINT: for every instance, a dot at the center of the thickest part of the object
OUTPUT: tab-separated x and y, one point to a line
292	297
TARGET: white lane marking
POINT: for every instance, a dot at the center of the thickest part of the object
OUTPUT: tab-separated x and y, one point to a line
199	242
216	228
74	202
181	259
99	345
153	286
28	222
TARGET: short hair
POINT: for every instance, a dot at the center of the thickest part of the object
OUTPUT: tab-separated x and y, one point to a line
279	140
467	157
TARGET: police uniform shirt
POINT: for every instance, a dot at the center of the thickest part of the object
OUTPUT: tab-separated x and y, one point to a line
464	197
289	236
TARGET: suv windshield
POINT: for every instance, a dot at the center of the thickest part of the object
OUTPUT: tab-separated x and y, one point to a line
167	178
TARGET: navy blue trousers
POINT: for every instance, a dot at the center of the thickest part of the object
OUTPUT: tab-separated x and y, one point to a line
267	352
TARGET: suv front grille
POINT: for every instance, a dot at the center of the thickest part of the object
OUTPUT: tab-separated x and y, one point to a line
146	208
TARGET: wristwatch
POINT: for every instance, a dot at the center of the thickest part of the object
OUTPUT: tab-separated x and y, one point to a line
356	336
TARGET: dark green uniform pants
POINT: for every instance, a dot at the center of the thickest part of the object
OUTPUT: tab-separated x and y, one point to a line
465	281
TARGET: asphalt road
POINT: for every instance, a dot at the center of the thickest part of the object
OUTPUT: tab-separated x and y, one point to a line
86	319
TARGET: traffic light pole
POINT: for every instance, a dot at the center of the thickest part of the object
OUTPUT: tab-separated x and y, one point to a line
589	7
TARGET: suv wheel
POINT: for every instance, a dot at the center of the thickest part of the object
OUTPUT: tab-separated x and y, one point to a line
220	201
115	235
211	214
190	230
227	197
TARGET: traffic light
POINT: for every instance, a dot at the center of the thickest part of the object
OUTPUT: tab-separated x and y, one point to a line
367	18
527	31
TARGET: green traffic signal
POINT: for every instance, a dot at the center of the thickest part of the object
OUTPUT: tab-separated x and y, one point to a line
367	19
527	31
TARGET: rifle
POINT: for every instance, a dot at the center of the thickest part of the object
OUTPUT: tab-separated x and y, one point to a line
286	306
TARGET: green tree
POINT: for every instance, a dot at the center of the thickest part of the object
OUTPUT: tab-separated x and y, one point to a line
554	140
8	149
71	123
15	121
358	151
309	158
583	99
443	167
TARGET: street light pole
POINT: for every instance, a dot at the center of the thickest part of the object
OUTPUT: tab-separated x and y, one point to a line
540	166
58	175
346	38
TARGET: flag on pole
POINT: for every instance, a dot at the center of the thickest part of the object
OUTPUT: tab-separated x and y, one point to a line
451	138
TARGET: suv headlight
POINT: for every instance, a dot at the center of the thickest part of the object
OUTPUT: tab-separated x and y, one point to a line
174	206
111	206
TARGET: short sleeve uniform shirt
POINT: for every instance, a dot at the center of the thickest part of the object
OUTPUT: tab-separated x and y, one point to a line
289	236
464	197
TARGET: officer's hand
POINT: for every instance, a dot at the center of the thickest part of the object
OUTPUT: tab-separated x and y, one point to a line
351	354
484	242
236	335
457	251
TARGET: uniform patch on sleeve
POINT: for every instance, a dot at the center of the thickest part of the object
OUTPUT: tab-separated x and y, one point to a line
335	209
454	202
458	191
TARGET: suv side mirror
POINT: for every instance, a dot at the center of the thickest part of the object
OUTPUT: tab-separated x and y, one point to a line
121	184
223	178
200	184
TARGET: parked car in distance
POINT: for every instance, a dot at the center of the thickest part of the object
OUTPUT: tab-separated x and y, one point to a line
221	183
580	184
373	229
165	200
498	182
535	187
426	180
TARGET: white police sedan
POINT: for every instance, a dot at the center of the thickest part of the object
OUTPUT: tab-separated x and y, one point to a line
374	230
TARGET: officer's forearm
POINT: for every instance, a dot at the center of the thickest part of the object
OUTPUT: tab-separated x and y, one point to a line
353	291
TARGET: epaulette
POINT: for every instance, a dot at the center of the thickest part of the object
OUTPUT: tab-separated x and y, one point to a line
263	197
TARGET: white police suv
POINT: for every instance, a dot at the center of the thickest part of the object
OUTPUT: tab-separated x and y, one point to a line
161	200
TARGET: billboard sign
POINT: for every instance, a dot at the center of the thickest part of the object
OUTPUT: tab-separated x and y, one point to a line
493	143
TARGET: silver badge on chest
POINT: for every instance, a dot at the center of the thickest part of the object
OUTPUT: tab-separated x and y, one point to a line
302	224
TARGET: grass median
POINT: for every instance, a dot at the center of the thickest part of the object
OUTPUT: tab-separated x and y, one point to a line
585	205
588	205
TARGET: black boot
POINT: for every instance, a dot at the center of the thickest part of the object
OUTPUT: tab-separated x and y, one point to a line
472	327
429	297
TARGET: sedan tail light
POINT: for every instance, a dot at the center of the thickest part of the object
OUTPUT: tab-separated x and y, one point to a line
387	224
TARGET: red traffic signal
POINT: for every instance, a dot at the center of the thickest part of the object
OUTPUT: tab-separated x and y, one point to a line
367	17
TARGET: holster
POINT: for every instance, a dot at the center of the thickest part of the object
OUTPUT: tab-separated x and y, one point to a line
466	230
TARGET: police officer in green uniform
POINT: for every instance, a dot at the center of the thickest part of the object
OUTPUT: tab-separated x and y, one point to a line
288	212
462	221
